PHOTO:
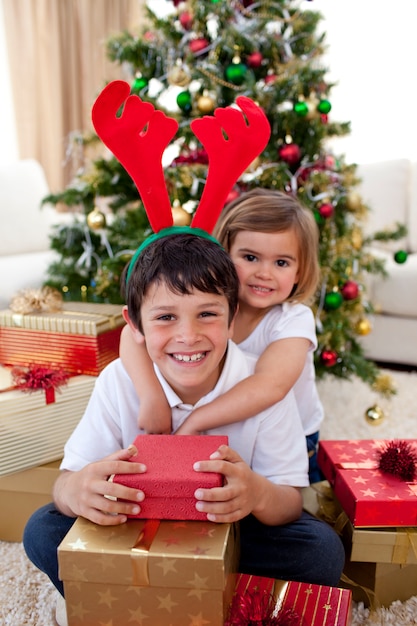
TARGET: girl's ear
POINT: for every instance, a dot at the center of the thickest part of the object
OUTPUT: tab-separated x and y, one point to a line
137	335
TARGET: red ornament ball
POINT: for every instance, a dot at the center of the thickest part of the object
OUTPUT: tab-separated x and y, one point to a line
290	153
186	20
232	195
254	60
270	78
199	44
350	290
329	358
326	210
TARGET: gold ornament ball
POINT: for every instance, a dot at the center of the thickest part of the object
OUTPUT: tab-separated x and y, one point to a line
356	238
312	102
205	104
179	76
96	219
363	327
354	201
180	216
374	415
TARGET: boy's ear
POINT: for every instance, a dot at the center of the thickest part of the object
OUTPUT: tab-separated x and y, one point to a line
137	335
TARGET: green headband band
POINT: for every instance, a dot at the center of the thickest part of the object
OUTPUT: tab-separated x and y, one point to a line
165	232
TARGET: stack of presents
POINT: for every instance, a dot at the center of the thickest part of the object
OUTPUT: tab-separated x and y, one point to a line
371	498
50	356
176	569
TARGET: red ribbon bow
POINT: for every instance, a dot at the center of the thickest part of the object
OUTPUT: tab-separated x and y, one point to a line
37	377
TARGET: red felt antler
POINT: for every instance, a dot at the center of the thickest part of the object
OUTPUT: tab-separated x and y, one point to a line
232	143
137	139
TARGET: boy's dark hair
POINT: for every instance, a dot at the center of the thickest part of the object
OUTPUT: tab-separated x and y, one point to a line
183	262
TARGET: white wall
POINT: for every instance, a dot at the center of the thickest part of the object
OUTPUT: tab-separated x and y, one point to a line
8	141
372	58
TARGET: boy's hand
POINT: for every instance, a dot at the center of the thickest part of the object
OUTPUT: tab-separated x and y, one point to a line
89	493
237	498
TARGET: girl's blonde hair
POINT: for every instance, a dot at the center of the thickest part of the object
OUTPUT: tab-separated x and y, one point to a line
269	211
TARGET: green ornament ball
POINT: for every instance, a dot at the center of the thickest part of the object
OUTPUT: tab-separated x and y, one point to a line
184	101
139	83
236	73
400	256
318	217
324	107
333	300
300	108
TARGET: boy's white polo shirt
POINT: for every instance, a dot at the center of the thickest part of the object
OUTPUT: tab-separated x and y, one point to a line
272	442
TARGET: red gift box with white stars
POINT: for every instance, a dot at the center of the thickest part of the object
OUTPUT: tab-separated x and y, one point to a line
370	497
148	572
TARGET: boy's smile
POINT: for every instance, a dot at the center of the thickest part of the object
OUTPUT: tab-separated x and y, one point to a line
186	337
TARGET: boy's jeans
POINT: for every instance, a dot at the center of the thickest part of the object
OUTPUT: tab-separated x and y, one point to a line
307	550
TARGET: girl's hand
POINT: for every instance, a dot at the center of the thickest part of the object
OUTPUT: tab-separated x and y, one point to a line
187	428
237	498
155	415
89	493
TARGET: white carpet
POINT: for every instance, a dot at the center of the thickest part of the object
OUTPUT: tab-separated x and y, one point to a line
27	598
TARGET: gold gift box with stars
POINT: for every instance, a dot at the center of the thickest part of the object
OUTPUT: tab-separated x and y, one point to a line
147	572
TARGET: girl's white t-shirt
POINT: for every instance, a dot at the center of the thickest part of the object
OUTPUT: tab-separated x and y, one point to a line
282	322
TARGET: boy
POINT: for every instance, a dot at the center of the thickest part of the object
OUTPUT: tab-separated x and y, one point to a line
182	294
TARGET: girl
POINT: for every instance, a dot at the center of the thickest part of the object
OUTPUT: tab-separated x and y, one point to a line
273	242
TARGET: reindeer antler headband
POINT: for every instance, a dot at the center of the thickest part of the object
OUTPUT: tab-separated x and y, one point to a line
140	135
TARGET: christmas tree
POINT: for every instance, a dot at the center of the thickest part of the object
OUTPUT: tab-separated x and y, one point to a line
190	58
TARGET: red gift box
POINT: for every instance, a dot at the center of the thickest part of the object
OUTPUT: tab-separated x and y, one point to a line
170	480
369	497
83	338
306	604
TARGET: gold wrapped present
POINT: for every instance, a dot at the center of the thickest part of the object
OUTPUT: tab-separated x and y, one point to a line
148	572
381	563
21	494
383	560
83	337
388	545
32	431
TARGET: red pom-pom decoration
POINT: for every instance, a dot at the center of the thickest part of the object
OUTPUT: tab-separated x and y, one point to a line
37	377
399	458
